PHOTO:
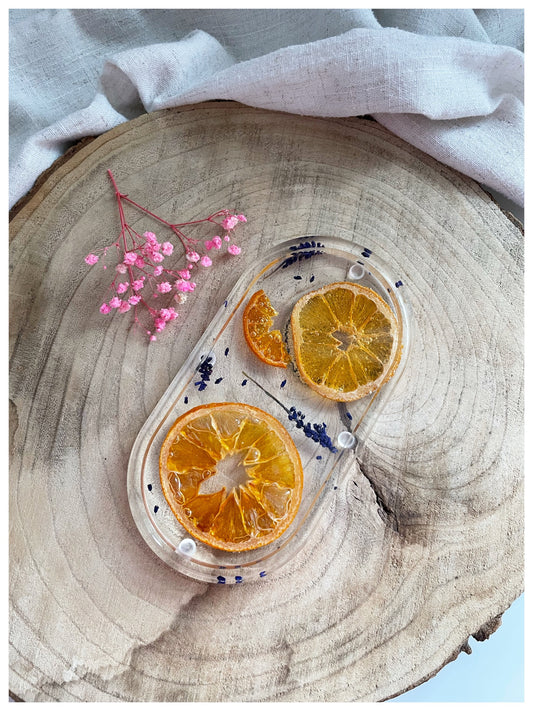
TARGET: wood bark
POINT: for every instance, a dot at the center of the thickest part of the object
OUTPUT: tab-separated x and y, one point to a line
423	545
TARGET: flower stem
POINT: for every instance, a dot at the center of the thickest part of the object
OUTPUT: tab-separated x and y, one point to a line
173	226
316	432
266	391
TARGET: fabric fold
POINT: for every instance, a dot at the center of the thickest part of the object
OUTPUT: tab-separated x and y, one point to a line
440	79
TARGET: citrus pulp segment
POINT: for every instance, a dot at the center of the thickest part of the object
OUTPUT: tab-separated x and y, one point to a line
345	340
250	502
265	342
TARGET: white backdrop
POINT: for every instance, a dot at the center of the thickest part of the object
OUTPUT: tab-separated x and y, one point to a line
447	81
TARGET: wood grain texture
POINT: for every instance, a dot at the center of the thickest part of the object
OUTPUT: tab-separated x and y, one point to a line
423	546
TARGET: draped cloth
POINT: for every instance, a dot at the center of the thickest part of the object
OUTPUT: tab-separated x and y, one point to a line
450	82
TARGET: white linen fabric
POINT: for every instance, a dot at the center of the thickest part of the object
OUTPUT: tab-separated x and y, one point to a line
447	81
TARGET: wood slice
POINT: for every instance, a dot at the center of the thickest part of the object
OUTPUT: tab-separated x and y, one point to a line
423	545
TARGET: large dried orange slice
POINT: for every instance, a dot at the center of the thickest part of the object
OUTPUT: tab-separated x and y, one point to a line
232	475
345	340
265	342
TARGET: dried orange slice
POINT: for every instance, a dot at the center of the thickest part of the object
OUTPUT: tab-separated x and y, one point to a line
267	344
231	475
345	340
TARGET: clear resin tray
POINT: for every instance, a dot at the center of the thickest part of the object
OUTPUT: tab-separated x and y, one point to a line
222	368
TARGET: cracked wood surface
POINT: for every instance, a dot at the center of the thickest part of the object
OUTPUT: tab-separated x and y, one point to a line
421	548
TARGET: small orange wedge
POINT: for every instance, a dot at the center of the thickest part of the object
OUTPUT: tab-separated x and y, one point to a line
265	342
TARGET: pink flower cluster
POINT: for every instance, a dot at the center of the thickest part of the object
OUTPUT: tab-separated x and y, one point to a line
142	274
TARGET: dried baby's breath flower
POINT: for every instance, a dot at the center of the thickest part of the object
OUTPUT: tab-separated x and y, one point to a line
143	267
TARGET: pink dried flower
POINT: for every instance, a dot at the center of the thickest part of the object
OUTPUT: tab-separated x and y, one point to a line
229	222
130	258
182	285
168	314
140	257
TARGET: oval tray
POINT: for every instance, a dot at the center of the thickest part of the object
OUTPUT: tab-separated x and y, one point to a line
222	368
